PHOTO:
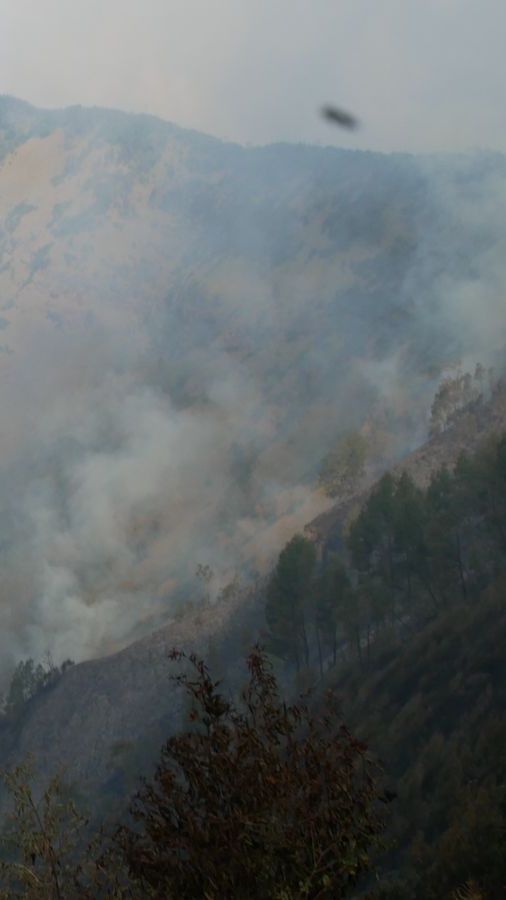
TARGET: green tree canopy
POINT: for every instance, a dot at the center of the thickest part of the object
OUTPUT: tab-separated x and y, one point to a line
289	595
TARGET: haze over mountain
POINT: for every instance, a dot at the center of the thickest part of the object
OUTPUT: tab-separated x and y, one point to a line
187	327
420	76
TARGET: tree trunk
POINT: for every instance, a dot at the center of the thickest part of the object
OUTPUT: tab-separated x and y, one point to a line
320	658
460	565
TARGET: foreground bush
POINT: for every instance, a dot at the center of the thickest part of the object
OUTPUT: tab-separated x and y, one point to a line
256	801
45	852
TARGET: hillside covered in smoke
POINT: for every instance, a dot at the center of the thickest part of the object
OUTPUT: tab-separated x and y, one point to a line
187	328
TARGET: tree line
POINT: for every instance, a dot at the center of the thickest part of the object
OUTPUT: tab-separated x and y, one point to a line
409	554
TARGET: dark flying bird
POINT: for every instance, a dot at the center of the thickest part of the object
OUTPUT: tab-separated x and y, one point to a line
339	117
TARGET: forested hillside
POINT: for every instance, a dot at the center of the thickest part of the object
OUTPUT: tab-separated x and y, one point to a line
408	622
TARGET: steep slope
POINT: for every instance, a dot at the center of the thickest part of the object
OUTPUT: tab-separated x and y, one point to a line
469	430
101	725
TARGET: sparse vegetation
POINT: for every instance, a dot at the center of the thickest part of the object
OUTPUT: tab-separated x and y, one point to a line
342	469
458	393
28	679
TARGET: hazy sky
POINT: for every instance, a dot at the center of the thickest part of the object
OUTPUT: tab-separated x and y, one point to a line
421	74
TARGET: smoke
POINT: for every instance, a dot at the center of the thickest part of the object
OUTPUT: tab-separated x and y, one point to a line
421	76
189	327
111	495
457	276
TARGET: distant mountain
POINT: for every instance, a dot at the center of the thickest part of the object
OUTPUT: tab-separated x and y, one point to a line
187	328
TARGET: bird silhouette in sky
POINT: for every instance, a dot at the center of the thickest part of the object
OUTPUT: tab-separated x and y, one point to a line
339	117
